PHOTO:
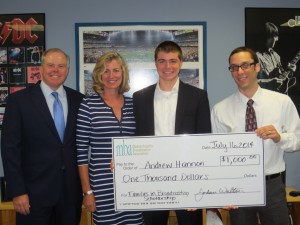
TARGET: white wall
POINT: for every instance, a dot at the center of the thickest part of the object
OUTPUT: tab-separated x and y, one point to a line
225	31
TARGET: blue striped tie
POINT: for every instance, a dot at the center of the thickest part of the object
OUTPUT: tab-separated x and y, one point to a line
58	114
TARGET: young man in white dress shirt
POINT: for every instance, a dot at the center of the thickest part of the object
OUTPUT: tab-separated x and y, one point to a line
167	108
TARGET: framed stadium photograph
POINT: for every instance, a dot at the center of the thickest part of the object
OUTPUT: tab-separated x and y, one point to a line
136	43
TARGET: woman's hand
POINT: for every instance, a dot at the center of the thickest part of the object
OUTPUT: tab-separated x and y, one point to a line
89	202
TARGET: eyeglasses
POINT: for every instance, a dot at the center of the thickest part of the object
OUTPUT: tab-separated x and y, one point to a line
244	66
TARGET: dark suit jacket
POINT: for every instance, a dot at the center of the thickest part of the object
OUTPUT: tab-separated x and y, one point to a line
192	113
35	161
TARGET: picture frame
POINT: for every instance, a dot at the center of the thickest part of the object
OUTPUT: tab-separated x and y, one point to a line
22	41
276	30
285	23
136	42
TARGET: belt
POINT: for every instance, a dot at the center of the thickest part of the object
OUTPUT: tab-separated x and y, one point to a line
272	176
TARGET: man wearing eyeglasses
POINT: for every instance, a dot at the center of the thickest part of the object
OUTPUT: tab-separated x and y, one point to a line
276	122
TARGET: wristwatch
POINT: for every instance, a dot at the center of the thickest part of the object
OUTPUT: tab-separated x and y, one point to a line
87	193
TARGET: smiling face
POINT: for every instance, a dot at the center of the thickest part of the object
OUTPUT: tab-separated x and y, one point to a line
112	75
168	66
246	80
54	69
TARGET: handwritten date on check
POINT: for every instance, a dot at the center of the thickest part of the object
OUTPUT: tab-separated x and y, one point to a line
188	171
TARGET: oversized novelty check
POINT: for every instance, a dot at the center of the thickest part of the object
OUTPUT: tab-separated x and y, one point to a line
188	171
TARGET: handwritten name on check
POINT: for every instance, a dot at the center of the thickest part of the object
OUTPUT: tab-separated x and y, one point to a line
188	171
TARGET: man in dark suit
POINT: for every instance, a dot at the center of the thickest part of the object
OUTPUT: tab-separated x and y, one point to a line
40	166
171	107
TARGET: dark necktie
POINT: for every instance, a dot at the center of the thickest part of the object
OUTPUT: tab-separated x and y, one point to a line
58	114
251	124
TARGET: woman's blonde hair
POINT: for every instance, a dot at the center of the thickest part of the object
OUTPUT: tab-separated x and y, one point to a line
99	69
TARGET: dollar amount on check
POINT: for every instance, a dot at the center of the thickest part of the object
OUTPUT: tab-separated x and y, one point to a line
188	171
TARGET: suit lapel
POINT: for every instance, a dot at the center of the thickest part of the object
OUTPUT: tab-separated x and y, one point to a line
149	101
181	105
71	117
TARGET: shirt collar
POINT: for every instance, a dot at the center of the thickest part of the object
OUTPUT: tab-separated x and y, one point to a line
48	91
256	97
174	89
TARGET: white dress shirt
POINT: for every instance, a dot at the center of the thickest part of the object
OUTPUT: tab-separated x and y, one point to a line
271	108
165	103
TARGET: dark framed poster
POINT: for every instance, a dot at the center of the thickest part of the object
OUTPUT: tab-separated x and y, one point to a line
136	42
274	34
22	41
